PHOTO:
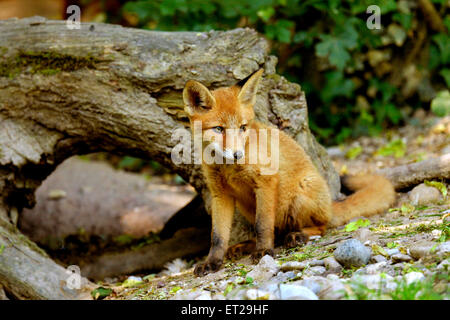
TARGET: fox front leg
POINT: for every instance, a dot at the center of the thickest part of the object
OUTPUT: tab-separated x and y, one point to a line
265	220
222	208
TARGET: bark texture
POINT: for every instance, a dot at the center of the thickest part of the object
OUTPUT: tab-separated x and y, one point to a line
107	88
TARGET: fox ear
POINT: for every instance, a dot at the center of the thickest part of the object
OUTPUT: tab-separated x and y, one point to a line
197	98
247	95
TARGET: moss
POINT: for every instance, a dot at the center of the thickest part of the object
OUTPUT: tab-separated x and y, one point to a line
46	63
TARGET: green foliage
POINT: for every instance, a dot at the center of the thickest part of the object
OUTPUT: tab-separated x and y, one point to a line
355	225
441	104
396	148
101	293
354	77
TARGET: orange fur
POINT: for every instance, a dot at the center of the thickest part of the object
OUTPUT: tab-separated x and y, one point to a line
294	200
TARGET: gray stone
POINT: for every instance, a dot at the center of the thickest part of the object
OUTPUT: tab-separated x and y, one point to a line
335	290
296	292
392	252
352	253
400	257
444	265
375	268
314	271
265	269
192	295
414	277
376	281
257	294
332	265
378	258
293	265
423	194
315	284
421	249
443	249
362	234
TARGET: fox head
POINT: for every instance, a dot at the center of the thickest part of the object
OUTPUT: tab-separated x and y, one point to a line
225	114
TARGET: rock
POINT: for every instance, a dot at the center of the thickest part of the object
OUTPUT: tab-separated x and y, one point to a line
378	258
192	295
298	266
325	288
265	269
423	194
315	284
443	249
392	252
421	249
414	277
376	281
444	265
205	295
314	271
352	253
293	266
375	268
400	257
316	262
332	265
296	292
284	276
256	294
333	277
362	234
334	291
3	294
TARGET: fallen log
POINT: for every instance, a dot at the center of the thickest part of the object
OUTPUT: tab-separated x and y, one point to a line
106	88
412	174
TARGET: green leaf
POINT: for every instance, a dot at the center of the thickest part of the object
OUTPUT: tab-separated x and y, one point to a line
354	152
438	185
248	280
101	293
376	249
131	282
228	289
392	245
355	225
440	105
443	42
445	73
397	148
407	208
175	289
266	14
2	247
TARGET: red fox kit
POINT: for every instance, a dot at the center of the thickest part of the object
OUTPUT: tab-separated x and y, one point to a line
291	202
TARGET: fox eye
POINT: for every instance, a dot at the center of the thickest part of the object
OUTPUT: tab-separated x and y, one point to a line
218	129
243	127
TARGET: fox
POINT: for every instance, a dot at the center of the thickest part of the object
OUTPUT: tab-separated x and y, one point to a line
287	205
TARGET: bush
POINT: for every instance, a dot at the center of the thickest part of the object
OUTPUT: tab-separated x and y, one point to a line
358	81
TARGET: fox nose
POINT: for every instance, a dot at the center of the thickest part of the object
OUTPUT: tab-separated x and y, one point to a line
238	154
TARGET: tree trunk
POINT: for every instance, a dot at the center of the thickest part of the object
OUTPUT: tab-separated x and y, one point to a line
107	88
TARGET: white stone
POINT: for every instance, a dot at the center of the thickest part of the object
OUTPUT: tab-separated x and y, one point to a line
414	277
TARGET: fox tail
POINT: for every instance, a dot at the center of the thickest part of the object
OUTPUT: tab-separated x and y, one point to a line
373	194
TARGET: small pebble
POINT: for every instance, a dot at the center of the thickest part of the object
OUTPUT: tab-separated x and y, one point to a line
352	253
332	265
414	276
400	257
295	292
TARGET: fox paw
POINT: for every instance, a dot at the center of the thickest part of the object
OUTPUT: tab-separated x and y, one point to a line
202	269
238	250
259	253
295	239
